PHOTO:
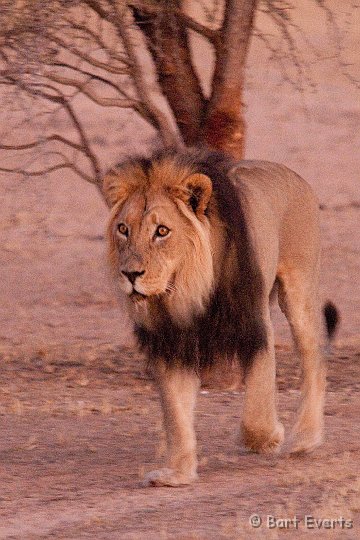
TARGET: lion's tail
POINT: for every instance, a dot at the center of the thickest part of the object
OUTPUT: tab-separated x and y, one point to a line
332	319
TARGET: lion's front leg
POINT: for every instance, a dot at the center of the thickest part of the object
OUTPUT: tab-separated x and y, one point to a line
178	387
260	429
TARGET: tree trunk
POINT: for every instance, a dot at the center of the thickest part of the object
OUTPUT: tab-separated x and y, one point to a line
217	122
167	39
224	126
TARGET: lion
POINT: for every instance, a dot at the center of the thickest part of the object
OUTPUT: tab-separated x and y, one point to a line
198	243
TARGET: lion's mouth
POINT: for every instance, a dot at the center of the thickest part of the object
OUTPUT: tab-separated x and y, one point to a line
137	297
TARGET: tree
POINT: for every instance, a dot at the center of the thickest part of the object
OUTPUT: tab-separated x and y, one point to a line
135	55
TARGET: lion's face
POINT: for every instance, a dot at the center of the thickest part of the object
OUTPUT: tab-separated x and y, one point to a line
151	239
160	239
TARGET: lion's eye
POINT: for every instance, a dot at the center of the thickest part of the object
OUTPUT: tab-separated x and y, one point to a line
162	231
122	228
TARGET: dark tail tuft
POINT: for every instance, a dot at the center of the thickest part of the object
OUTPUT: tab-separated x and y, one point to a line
332	318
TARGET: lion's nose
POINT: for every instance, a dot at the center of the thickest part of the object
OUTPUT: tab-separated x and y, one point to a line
133	275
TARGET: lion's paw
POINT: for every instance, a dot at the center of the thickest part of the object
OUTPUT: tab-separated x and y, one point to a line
304	442
168	477
262	441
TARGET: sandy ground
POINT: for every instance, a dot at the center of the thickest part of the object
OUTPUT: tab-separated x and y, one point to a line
79	419
78	433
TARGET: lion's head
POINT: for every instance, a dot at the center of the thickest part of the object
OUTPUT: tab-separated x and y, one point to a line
161	247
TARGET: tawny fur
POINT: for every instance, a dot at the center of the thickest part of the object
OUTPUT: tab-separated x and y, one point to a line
236	229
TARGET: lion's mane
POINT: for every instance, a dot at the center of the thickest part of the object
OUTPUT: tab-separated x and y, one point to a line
230	323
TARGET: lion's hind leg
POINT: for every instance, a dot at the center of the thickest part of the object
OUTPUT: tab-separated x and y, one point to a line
298	299
261	431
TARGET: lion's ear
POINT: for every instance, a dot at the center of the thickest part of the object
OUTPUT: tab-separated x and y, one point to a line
198	189
115	188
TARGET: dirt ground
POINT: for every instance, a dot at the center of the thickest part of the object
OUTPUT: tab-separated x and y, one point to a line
79	431
79	418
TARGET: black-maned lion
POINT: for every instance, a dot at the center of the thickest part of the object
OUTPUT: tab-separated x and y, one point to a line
197	244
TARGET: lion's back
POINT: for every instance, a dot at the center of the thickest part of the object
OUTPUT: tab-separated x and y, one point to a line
274	181
283	209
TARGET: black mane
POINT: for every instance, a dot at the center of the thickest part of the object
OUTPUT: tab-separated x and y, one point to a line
232	324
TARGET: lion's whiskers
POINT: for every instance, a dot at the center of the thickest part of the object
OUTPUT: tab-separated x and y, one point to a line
171	288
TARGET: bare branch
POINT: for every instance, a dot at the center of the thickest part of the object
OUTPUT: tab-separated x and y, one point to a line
55	96
52	168
83	88
154	11
92	38
87	58
210	34
34	144
338	43
92	76
279	14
